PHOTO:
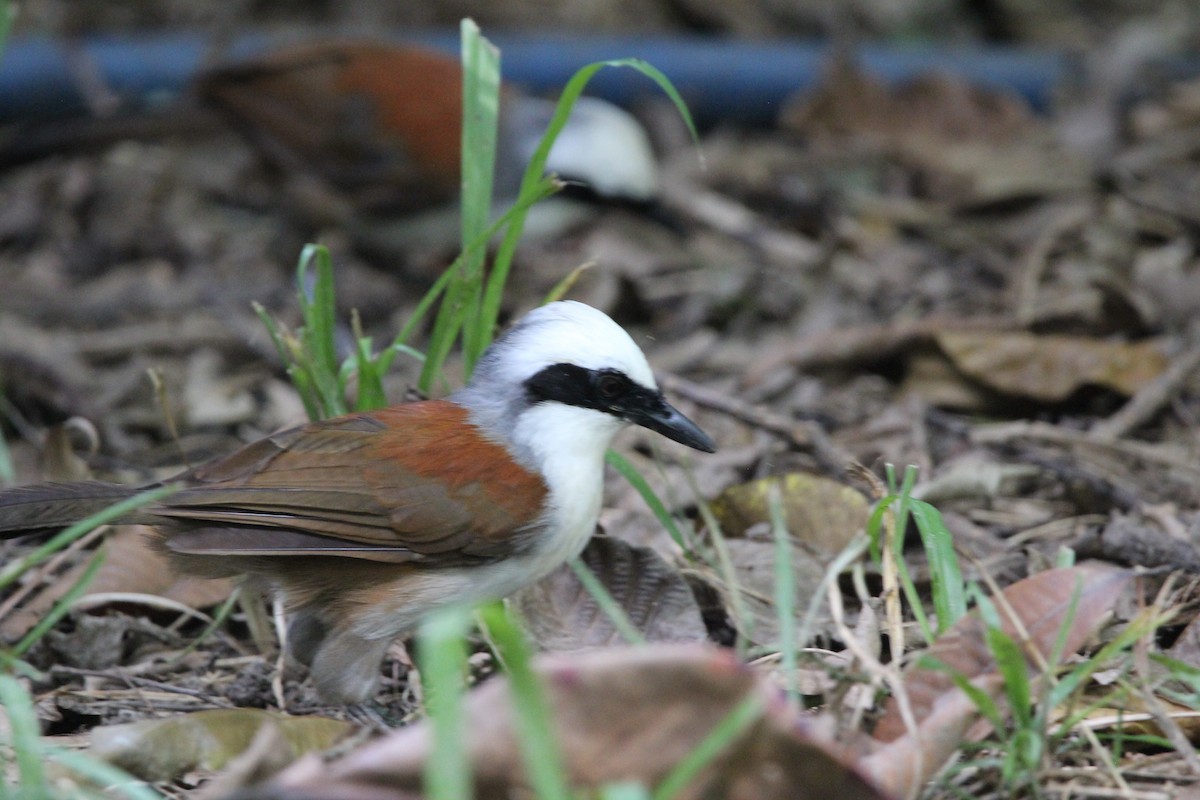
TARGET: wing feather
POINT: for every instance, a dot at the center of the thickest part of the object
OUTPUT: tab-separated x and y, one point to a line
412	482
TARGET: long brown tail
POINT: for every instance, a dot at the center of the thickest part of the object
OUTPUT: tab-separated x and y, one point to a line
49	507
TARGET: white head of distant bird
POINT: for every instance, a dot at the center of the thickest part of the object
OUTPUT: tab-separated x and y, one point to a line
602	146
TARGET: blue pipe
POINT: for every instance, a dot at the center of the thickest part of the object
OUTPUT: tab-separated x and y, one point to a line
721	79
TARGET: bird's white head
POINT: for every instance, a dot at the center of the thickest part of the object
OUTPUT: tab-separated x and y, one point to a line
567	377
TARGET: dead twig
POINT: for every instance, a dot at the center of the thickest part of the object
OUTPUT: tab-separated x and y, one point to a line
868	343
1150	398
120	676
1037	258
799	434
1163	454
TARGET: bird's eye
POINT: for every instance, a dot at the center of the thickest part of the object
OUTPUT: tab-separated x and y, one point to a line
609	386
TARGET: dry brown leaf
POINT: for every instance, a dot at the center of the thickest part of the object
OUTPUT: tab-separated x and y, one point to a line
1079	596
1051	368
932	377
561	614
164	749
754	567
131	566
622	714
821	514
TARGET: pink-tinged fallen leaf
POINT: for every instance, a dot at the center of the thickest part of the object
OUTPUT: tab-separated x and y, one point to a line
1051	368
621	714
561	615
1078	598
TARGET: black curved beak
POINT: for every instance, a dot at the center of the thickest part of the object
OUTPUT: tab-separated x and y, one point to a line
662	417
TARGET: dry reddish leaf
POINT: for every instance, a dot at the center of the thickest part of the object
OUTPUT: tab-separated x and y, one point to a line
823	515
130	566
1050	368
561	614
164	749
622	714
1043	604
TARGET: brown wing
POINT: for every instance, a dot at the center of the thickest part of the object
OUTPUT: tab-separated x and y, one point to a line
412	482
365	116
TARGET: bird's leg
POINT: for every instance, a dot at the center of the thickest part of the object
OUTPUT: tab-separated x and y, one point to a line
345	668
304	635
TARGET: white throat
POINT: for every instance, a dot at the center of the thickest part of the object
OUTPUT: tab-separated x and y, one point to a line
567	445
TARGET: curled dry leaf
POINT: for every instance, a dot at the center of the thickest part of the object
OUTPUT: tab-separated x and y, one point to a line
164	749
1075	598
562	615
1050	368
622	714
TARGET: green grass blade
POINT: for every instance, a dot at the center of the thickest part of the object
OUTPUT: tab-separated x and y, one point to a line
980	698
459	310
1010	661
544	189
742	618
26	737
8	474
875	528
490	313
611	608
109	778
785	594
745	714
481	114
624	791
949	598
630	473
60	608
539	745
1074	680
319	337
317	305
902	510
288	349
443	654
369	393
